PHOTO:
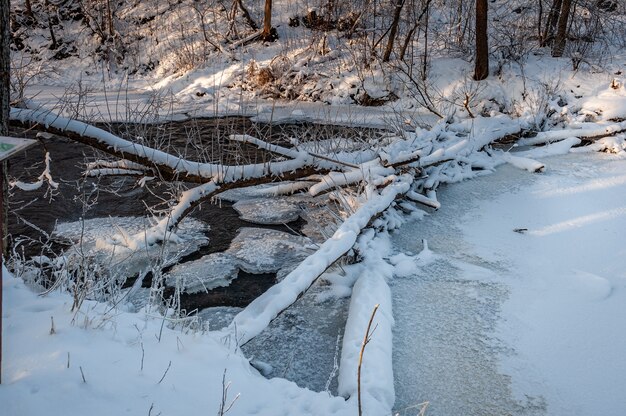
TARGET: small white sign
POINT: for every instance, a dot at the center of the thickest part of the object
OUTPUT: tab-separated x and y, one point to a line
9	146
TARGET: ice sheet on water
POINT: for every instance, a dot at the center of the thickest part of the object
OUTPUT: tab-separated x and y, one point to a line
92	238
218	317
103	228
250	192
211	271
259	250
279	210
302	343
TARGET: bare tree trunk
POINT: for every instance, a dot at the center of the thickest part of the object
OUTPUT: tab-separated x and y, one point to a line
540	20
246	15
267	21
53	38
481	68
110	19
425	57
409	36
393	31
561	34
29	8
5	67
553	17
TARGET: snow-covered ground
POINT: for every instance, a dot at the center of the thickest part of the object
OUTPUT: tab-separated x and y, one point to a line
496	321
102	362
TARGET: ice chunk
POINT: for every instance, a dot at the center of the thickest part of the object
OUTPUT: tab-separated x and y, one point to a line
93	241
269	210
261	250
211	271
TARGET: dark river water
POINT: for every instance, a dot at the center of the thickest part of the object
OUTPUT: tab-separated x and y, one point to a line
33	214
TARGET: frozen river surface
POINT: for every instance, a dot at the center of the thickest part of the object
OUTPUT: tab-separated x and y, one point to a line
520	309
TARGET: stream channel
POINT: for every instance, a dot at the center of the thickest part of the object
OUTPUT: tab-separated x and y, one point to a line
440	355
249	256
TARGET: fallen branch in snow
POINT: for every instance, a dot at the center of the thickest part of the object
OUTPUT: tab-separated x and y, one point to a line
587	132
168	166
422	199
114	172
45	176
292	153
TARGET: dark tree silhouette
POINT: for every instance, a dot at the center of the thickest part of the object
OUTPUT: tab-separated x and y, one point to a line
481	68
561	34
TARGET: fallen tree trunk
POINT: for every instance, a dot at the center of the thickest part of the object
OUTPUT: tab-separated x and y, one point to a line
251	321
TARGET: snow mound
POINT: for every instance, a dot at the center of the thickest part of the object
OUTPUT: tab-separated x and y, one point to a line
609	104
588	286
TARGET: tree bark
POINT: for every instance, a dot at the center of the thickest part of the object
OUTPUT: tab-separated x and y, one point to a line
5	67
53	39
553	17
481	68
561	34
29	8
267	21
393	31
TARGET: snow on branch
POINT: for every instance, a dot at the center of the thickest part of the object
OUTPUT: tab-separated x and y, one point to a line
114	164
169	166
45	176
589	131
292	153
114	172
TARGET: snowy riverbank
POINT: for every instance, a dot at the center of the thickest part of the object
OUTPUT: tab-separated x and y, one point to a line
528	322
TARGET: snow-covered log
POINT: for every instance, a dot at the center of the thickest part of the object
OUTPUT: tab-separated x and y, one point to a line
371	288
169	167
585	131
252	320
423	199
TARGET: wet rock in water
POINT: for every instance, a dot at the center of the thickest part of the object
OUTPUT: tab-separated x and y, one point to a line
260	250
211	271
269	210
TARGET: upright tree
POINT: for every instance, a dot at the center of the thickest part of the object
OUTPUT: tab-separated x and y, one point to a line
266	34
561	35
393	30
5	65
553	18
481	67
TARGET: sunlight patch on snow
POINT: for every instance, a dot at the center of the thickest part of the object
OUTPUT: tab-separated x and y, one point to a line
579	222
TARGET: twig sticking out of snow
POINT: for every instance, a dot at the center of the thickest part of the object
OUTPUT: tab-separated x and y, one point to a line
366	339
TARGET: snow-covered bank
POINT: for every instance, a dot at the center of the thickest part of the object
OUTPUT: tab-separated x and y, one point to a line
565	314
526	322
102	362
